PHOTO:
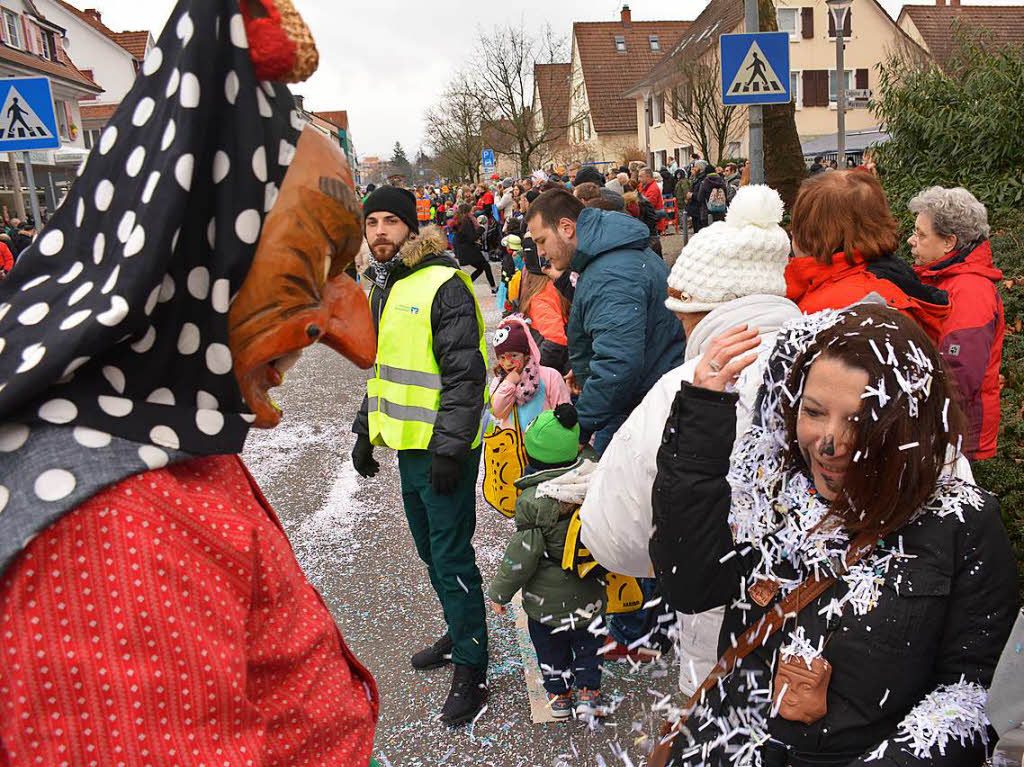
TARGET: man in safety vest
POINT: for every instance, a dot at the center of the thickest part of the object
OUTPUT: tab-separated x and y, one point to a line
426	400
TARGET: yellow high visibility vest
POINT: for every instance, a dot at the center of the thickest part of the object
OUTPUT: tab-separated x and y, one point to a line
404	393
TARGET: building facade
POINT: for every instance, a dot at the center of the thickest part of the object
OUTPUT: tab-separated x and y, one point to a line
664	97
33	45
606	59
112	59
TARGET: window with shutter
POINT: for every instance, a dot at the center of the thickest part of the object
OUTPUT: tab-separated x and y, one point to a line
862	79
788	20
810	89
807	23
12	26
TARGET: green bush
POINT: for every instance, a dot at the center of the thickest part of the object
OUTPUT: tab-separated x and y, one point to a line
959	126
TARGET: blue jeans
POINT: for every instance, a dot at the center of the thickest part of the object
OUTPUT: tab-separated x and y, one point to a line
567	655
629	627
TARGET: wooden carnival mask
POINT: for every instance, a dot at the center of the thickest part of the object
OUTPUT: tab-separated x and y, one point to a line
297	292
804	690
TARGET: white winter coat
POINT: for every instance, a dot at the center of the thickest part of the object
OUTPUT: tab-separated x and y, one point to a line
616	514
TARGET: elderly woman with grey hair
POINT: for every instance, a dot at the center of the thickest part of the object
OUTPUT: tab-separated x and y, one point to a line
952	252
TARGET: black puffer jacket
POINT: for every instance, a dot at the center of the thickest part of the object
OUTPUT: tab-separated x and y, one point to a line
943	614
456	347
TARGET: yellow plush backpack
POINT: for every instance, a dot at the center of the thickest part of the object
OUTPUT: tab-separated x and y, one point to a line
504	463
624	593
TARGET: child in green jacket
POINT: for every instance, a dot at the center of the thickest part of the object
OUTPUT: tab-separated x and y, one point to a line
561	607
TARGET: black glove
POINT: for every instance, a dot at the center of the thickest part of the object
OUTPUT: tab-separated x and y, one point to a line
585	437
362	457
444	474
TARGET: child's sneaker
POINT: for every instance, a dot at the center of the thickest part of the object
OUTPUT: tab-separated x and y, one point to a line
561	705
588	703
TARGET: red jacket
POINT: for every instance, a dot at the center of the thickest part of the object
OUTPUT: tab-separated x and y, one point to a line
6	259
814	287
166	621
653	195
972	340
485	202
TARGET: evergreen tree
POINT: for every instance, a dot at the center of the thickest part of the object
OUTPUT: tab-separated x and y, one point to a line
400	163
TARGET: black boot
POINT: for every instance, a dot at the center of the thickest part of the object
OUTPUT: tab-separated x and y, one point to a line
467	696
437	655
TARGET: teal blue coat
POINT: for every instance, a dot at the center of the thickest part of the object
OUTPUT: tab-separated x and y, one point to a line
622	337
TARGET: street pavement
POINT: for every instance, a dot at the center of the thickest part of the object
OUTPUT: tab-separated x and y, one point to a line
352	540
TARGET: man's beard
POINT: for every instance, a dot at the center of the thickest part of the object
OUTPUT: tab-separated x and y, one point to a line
384	251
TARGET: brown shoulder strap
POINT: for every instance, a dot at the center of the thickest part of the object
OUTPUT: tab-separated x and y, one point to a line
756	636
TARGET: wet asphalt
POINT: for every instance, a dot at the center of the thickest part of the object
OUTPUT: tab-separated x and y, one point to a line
352	540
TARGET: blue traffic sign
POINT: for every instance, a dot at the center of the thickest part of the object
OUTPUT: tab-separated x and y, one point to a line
27	117
487	160
755	68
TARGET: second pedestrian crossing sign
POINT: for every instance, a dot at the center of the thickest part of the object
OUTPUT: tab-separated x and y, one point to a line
755	68
27	117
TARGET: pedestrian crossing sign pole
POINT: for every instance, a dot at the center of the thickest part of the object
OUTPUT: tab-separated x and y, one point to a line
755	68
28	121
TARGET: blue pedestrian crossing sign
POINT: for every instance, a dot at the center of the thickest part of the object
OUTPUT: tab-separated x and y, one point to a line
755	68
27	116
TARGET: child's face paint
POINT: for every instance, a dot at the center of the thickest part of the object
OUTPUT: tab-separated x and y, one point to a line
512	362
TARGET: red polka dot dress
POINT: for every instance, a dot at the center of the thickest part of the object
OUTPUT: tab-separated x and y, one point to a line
166	622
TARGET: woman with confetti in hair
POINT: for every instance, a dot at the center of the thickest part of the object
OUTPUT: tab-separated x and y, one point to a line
868	591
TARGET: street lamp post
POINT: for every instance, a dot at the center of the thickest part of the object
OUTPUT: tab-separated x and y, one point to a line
839	9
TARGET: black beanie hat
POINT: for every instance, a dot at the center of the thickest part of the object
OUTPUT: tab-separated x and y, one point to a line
589	173
393	199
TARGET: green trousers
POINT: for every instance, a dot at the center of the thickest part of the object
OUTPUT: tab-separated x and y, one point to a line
442	527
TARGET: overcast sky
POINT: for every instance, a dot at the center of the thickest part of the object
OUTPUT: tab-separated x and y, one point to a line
386	62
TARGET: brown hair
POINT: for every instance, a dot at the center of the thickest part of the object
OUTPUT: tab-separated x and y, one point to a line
843	212
554	205
588	190
898	456
530	285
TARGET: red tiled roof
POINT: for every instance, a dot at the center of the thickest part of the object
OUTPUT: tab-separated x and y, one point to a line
63	68
608	73
133	42
719	17
106	31
337	118
98	111
553	90
1002	25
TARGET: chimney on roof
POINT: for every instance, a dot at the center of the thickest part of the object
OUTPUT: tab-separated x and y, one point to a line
954	3
93	14
627	15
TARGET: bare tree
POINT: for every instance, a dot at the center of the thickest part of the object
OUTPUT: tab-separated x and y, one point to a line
503	88
454	131
696	102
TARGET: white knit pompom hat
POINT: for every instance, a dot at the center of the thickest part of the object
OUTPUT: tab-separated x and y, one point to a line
744	255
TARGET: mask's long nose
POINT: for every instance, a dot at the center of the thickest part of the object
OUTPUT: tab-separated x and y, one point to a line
349	328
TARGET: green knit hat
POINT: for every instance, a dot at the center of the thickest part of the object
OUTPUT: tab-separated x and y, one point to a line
553	438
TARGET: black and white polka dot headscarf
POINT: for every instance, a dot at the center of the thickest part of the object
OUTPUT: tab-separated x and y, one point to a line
114	351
